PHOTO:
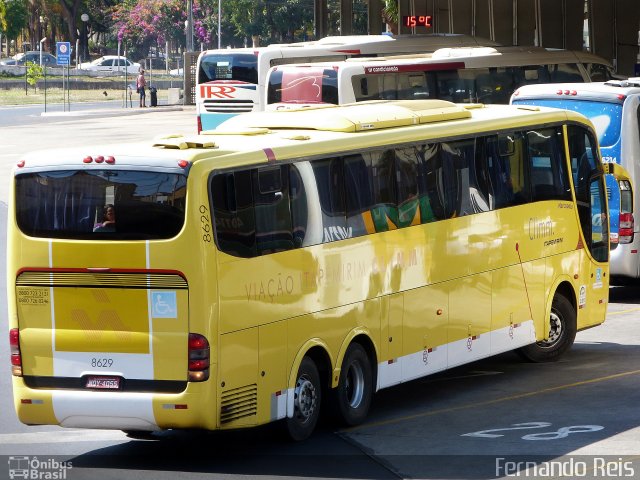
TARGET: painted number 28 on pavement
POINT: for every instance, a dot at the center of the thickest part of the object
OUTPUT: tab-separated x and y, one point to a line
562	432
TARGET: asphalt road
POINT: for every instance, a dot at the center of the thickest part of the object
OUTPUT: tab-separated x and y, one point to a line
579	416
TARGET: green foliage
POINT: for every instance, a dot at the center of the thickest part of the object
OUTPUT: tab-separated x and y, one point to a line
3	16
247	17
34	73
16	15
288	16
390	11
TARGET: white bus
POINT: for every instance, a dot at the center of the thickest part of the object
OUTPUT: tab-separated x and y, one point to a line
614	109
231	81
461	75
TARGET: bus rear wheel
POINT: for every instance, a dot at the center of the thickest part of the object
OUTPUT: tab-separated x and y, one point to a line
352	398
562	332
307	398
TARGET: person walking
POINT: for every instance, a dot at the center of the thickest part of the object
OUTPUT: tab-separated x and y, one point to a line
141	83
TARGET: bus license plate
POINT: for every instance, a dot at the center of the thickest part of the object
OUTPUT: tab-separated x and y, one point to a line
103	383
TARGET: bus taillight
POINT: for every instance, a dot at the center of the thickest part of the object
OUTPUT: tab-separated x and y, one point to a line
198	358
199	125
16	356
625	231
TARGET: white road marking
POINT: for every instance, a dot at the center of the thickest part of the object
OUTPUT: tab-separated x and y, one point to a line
62	436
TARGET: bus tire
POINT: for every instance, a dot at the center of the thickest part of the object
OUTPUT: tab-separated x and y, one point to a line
562	333
307	400
353	395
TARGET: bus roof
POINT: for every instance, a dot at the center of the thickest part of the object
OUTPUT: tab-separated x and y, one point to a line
382	43
267	136
610	91
471	56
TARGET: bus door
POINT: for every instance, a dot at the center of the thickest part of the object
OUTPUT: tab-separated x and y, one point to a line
593	213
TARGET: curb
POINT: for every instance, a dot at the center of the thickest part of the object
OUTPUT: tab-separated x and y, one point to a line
114	112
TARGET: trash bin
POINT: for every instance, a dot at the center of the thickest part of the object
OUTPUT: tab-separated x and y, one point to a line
153	91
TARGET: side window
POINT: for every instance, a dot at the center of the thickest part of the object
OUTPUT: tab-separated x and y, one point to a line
389	87
598	72
457	157
329	178
565	72
452	87
367	87
441	162
358	190
384	211
549	176
475	186
507	169
512	148
414	206
413	86
533	74
272	209
494	85
274	87
234	215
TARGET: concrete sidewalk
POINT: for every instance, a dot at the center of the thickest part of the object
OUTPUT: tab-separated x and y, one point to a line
119	111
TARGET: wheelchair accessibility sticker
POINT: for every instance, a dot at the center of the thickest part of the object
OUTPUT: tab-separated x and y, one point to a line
164	305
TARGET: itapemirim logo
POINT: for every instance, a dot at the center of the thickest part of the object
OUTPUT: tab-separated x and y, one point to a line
33	468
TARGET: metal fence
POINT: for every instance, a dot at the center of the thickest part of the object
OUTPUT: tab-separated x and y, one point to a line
190	75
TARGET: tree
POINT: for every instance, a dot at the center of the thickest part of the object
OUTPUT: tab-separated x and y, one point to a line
34	73
16	18
288	16
3	16
247	17
71	16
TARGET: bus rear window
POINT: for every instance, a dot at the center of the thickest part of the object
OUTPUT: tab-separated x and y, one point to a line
242	67
100	204
303	85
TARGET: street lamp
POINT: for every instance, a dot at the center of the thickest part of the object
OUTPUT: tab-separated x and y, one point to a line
41	42
219	24
85	41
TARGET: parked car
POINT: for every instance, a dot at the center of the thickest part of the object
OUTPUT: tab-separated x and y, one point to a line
111	63
176	72
21	59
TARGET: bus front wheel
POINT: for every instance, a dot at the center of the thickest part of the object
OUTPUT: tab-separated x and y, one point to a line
561	334
352	397
307	397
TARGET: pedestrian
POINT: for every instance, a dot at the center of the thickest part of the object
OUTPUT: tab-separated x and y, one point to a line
141	83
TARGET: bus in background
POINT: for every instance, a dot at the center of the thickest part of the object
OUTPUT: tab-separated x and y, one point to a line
460	75
231	81
327	254
614	109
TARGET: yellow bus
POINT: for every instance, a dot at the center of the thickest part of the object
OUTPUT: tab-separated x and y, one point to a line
288	259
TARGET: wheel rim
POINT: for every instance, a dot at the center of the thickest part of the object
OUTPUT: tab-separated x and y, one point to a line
305	399
354	384
555	330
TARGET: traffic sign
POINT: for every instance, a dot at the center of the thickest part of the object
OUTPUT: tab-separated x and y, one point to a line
63	53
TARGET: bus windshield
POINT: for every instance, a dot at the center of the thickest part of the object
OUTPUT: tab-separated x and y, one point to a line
241	67
100	204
